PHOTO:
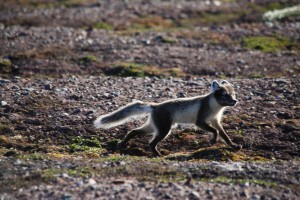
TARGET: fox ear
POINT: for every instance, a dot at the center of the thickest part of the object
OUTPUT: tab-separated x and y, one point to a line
225	82
215	86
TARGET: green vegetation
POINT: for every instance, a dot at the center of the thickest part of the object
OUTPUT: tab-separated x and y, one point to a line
87	59
168	40
78	172
82	144
129	159
5	66
267	44
256	75
139	70
33	156
102	25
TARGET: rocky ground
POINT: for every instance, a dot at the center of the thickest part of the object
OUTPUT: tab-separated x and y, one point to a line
63	63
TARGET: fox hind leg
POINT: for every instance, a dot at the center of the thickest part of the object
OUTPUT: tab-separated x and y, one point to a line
162	131
143	130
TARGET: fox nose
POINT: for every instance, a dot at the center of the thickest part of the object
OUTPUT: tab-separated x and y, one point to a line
235	101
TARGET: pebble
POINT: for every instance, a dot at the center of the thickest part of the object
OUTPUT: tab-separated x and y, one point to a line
48	86
89	112
3	103
146	42
25	93
66	197
255	196
30	89
91	182
18	162
181	95
15	87
77	111
65	114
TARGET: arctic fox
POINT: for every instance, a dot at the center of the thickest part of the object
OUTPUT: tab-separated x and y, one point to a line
203	111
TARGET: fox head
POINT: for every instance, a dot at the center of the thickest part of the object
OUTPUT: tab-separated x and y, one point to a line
224	93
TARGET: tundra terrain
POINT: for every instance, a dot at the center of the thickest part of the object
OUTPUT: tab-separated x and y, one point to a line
63	63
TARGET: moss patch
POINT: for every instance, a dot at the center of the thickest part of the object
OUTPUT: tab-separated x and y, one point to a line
88	59
77	172
83	144
5	65
139	70
102	25
267	44
33	156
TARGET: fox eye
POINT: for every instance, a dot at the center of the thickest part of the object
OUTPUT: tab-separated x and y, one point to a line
224	93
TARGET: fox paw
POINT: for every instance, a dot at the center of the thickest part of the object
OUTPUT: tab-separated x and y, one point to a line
120	145
212	142
236	146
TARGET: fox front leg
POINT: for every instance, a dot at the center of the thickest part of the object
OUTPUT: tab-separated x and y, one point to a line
207	127
224	135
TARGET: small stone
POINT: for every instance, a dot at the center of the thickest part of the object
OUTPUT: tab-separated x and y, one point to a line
18	162
89	112
77	111
30	89
76	97
64	175
255	196
91	182
146	42
284	115
246	184
15	87
48	86
209	192
3	103
25	93
181	95
66	197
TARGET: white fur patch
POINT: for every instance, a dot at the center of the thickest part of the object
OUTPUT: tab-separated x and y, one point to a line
217	110
135	113
188	114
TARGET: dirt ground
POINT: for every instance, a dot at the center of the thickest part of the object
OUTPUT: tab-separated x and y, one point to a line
63	63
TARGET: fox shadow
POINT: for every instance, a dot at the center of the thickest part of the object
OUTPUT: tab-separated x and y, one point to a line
213	153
